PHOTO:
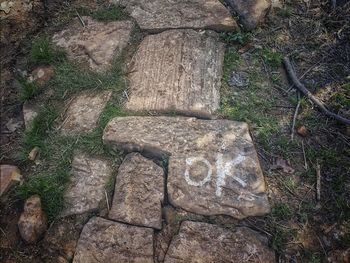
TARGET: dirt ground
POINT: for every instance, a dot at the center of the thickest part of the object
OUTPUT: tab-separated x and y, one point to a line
316	37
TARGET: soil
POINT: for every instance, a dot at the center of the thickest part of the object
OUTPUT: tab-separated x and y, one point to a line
317	38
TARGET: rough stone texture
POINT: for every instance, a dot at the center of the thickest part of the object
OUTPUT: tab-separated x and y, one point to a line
213	165
160	15
87	187
250	12
177	70
107	241
30	111
9	175
84	111
206	243
139	192
32	223
97	43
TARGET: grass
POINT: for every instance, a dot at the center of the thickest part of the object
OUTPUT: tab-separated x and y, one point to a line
271	57
281	211
109	13
28	90
105	13
237	37
51	177
42	52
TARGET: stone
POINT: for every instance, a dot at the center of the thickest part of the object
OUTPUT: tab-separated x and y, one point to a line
33	153
302	131
106	241
30	111
83	112
160	15
206	243
177	70
42	75
139	192
9	175
250	12
97	44
213	166
32	223
86	191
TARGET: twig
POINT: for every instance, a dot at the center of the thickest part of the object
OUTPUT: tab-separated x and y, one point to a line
305	162
291	73
318	182
81	20
107	200
295	117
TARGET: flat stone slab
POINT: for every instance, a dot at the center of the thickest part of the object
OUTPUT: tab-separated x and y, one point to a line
213	166
206	243
106	241
98	43
160	15
139	192
86	191
83	112
177	70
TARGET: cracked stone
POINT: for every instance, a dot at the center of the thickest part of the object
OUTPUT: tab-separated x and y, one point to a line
139	192
87	187
98	43
106	241
213	166
83	112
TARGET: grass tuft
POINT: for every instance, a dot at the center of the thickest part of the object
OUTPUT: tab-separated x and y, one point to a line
42	52
109	13
28	89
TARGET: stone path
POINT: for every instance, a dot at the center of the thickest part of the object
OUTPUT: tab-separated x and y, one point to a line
212	167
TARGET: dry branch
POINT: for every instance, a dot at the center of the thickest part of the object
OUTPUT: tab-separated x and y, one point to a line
291	73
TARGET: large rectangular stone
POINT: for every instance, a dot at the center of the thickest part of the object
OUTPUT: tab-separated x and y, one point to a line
213	166
177	70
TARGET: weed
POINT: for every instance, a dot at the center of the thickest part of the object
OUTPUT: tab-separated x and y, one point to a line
231	62
237	37
311	256
109	13
280	238
28	89
42	52
281	211
285	12
41	126
271	57
110	185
